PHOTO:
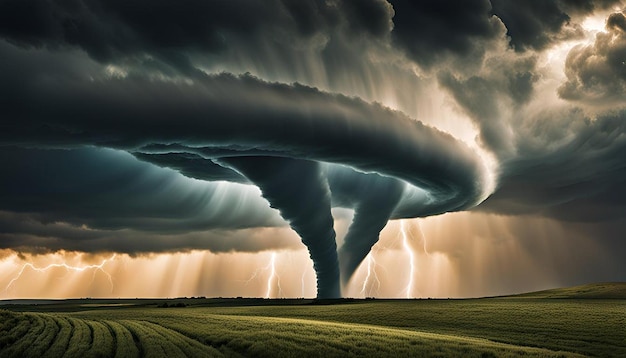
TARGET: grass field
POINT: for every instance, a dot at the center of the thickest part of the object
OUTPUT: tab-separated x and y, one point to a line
511	326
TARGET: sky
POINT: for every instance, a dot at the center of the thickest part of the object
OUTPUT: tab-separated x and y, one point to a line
310	148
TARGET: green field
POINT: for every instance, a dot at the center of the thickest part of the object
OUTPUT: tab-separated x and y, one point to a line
529	325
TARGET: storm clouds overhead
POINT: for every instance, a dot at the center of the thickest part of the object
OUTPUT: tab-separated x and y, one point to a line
240	127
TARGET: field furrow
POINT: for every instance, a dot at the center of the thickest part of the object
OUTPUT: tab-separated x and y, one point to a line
125	345
44	340
168	343
7	321
111	333
190	347
10	334
150	342
36	326
103	343
80	341
278	337
61	340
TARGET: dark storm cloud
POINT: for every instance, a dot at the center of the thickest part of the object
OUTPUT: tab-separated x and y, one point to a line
168	33
536	24
596	74
533	24
580	180
226	115
25	232
111	29
165	33
432	30
96	200
110	190
587	6
369	16
193	166
555	160
558	162
481	96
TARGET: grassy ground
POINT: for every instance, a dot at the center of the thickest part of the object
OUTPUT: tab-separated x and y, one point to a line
607	290
513	326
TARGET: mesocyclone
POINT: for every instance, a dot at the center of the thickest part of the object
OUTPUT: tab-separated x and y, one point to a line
307	150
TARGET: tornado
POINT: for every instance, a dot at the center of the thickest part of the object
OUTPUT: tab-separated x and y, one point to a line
300	192
374	198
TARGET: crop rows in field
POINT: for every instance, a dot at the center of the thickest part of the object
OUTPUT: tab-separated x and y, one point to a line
44	335
187	334
589	327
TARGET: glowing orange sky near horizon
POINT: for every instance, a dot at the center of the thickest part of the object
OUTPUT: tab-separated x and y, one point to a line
455	255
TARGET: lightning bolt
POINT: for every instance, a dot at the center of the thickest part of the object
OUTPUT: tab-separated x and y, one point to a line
411	254
273	277
68	268
371	275
302	281
423	239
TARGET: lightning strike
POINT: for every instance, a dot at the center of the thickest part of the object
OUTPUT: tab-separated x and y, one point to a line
273	277
68	268
302	282
419	227
407	247
368	288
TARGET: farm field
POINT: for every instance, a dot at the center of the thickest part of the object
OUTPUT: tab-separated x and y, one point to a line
529	325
